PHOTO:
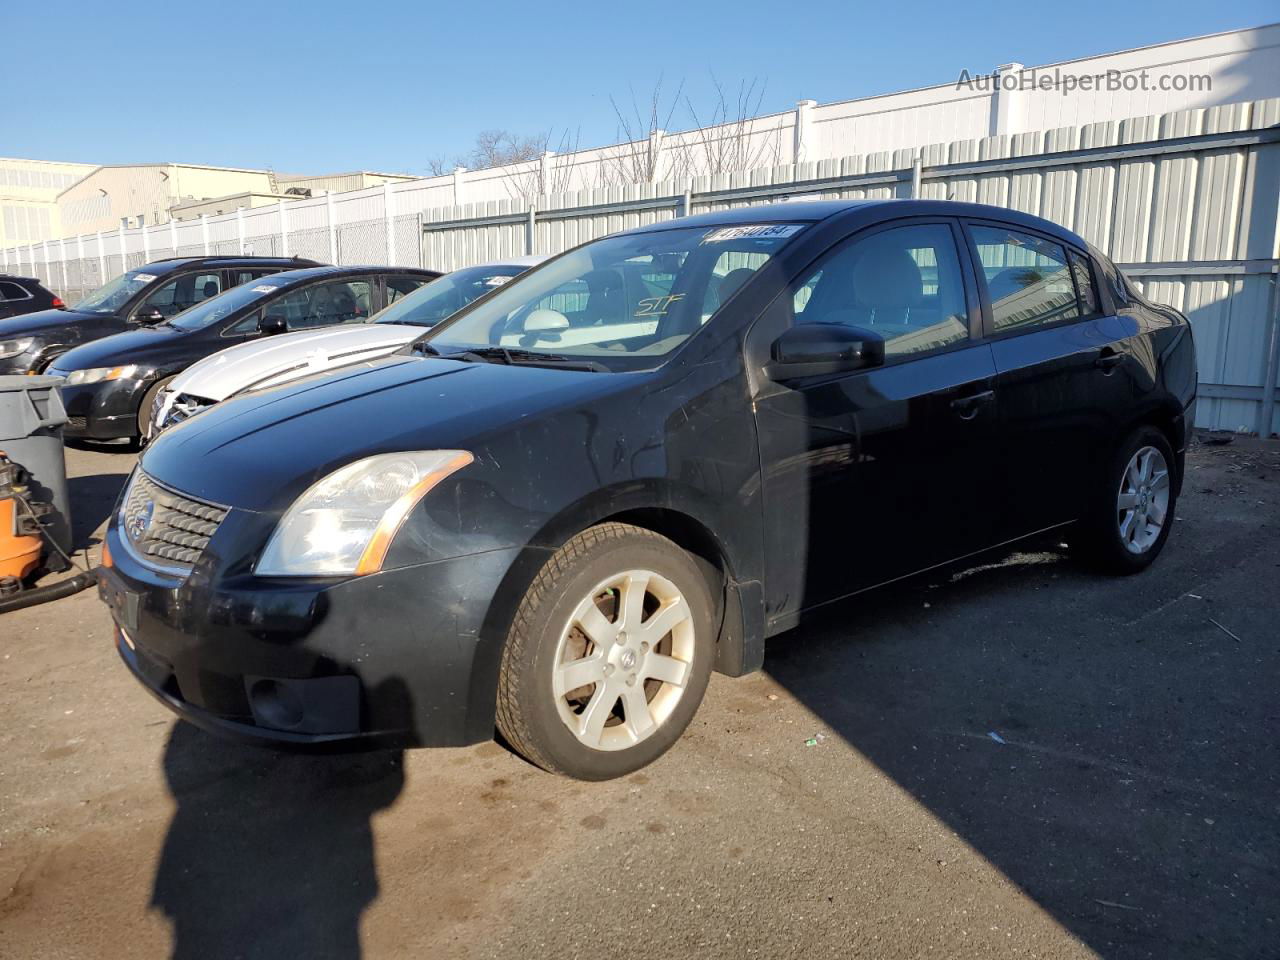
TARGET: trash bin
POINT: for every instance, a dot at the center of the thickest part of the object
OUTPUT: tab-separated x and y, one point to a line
31	421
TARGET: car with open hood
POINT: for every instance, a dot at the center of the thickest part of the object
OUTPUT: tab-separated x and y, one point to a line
557	512
111	385
259	364
137	298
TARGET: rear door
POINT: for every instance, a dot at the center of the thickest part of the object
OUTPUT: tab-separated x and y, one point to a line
1064	372
875	474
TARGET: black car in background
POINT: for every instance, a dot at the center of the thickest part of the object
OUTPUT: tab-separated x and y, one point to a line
564	506
22	295
150	294
110	384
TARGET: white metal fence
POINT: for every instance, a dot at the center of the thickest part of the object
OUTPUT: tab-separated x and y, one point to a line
1185	202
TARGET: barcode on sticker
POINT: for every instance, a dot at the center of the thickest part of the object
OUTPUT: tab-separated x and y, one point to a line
144	277
755	231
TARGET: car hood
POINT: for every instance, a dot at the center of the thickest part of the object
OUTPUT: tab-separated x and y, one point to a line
45	322
132	346
275	360
261	450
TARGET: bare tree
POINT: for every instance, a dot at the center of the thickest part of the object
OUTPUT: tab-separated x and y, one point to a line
726	138
520	156
634	160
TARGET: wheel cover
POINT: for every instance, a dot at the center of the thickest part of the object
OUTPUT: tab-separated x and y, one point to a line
1142	505
623	660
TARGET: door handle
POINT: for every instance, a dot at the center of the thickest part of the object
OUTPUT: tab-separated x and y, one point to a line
967	407
1109	359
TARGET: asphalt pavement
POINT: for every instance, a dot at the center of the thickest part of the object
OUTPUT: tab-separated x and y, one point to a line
1015	759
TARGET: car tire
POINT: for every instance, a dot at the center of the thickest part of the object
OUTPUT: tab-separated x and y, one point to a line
144	411
1132	513
587	686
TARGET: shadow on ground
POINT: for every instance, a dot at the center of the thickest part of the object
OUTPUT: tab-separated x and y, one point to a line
269	854
92	498
1132	789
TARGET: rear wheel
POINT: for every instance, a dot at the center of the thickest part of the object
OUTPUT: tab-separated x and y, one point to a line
609	654
1132	514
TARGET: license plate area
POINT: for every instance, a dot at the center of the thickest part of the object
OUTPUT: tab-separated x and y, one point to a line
120	600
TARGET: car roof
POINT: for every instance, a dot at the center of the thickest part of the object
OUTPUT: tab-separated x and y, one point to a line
312	273
169	264
16	278
866	211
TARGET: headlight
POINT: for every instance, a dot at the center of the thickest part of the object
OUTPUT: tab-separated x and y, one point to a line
99	374
11	348
342	525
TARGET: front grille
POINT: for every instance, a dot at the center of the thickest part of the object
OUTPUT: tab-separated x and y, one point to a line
77	423
165	527
185	407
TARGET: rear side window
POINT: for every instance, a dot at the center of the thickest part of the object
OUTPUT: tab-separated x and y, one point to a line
1028	280
13	291
903	284
183	293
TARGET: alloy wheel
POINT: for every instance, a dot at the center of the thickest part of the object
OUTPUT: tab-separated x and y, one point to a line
1142	506
623	660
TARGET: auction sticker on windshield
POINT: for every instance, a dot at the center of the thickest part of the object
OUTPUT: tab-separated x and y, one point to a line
144	277
265	288
757	231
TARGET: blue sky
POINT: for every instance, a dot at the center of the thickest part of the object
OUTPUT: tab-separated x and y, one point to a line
326	86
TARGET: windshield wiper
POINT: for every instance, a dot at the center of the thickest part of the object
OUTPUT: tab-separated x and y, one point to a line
508	356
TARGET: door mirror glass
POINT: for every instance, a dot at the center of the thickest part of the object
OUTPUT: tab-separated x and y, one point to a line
272	324
817	349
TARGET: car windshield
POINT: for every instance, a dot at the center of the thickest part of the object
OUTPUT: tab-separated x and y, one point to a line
620	303
111	296
442	298
223	305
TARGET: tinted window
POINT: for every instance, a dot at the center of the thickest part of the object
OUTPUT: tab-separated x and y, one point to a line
323	304
398	287
1118	287
12	291
1027	278
183	293
903	284
441	298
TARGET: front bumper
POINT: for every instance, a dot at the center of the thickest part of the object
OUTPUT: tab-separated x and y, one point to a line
103	411
398	658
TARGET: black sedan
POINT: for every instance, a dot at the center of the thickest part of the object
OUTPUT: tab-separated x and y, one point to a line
111	384
561	509
150	294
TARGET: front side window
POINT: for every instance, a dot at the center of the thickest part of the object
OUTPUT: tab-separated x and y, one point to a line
623	302
903	284
1027	277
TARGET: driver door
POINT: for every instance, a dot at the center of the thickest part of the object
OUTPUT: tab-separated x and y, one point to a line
874	474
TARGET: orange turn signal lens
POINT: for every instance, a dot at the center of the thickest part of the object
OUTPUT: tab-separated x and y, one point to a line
376	552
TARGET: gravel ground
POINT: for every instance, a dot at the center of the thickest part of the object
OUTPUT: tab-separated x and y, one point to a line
1015	759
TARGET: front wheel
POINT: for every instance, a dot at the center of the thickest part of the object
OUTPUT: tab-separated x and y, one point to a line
145	411
608	656
1132	514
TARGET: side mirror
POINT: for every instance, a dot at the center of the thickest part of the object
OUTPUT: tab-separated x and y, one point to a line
148	315
273	323
818	349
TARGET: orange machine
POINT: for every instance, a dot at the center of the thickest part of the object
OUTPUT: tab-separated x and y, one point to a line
21	544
